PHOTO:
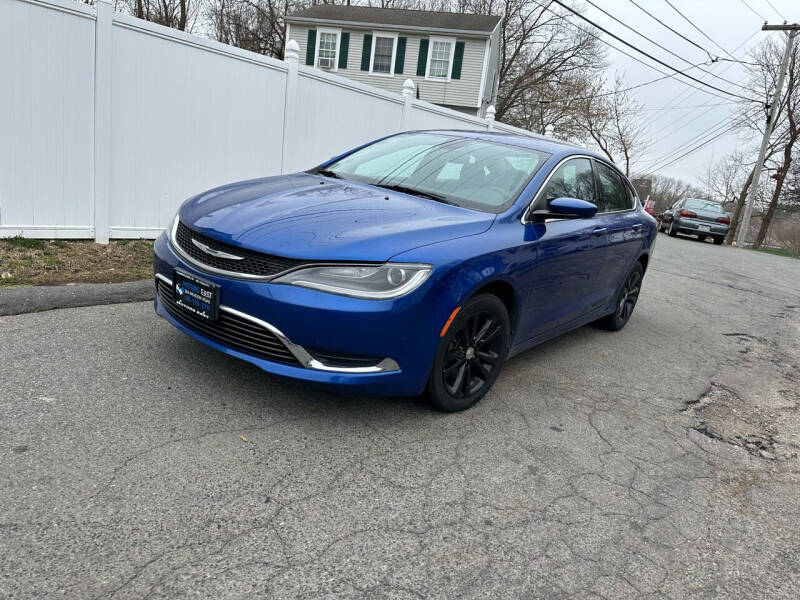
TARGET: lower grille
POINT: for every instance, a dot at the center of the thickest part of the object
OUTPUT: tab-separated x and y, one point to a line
229	329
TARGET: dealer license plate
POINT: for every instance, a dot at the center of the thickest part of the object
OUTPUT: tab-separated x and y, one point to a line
195	295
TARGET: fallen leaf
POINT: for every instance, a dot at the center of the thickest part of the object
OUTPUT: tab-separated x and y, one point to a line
244	439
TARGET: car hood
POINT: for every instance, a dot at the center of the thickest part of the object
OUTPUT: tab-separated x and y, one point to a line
312	217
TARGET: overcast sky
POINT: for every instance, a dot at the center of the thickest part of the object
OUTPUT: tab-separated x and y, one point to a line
677	113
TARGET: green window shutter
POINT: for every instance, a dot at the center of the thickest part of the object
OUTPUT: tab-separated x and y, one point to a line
400	57
344	46
422	60
366	52
458	59
310	45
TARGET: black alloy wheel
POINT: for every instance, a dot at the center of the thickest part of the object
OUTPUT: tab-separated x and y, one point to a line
626	300
470	355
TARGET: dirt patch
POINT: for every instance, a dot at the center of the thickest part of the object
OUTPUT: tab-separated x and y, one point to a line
724	416
53	262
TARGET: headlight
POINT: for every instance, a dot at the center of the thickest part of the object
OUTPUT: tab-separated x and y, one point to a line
374	282
172	226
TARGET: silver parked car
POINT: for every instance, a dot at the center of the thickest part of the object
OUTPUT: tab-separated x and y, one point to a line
702	218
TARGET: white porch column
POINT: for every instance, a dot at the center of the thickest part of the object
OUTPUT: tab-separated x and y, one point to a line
102	120
292	56
490	112
408	98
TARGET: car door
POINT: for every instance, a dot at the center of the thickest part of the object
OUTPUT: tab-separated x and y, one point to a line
560	285
624	233
669	214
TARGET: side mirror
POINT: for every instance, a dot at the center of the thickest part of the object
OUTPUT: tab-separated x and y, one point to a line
566	208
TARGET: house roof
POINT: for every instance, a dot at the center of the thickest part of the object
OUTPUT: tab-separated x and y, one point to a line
421	19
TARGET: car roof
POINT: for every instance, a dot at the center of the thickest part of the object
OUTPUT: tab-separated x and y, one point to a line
557	148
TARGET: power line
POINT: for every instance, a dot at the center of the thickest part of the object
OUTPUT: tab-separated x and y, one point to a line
777	12
688	94
650	56
628	54
707	131
703	33
678	56
692	106
752	10
637	86
673	125
695	149
678	33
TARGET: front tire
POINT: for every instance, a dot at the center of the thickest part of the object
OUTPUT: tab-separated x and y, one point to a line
626	300
470	355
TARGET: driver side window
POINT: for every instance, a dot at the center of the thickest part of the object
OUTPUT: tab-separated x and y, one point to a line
573	179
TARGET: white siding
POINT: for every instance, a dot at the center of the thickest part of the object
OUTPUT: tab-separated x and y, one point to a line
185	119
46	112
326	108
119	135
456	92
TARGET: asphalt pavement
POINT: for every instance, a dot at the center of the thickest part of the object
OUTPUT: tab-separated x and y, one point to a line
659	461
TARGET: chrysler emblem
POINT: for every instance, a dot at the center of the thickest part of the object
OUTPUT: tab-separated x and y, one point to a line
218	253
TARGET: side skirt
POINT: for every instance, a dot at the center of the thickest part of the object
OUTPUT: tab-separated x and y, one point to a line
560	330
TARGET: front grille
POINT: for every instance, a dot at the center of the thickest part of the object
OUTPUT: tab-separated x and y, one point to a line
231	330
253	263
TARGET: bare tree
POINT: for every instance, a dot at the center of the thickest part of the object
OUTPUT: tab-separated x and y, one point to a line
612	120
763	75
178	14
255	25
724	179
666	191
765	57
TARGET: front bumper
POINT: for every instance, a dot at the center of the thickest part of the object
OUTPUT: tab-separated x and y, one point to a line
403	332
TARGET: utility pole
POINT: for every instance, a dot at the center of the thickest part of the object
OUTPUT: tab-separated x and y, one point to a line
773	109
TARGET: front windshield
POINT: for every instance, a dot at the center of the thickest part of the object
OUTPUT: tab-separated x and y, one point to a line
478	174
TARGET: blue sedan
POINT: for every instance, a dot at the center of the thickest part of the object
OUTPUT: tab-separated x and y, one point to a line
414	264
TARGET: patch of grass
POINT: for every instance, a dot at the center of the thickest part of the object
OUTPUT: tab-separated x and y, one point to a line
777	251
42	262
20	242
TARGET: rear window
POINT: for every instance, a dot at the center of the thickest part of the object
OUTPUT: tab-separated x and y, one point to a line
704	205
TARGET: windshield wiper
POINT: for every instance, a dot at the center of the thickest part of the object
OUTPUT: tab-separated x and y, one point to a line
416	192
327	173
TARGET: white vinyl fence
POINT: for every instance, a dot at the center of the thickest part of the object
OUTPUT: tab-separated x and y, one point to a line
107	122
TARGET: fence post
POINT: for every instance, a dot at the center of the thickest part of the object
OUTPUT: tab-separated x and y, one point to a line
490	112
292	57
102	119
408	98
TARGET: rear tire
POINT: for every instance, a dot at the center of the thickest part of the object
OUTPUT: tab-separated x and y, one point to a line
626	300
470	355
719	240
702	238
672	231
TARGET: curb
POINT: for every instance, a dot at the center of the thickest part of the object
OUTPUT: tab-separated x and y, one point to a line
37	298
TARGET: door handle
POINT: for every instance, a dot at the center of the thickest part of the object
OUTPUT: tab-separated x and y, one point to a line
636	226
599	231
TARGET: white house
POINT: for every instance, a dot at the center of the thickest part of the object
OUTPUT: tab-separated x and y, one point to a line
452	58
